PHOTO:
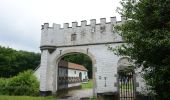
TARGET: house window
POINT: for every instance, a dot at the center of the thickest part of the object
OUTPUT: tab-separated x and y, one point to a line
84	73
74	72
73	37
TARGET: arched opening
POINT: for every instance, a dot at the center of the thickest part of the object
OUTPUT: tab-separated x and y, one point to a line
126	79
75	72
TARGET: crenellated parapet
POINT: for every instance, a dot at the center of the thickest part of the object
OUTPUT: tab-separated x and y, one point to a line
94	33
83	23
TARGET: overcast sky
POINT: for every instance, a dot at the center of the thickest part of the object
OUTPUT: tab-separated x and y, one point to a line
21	20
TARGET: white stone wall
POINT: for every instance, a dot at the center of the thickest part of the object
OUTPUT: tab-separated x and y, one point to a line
86	34
43	74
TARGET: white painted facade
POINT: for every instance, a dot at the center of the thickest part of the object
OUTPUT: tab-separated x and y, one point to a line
75	73
92	40
72	73
71	77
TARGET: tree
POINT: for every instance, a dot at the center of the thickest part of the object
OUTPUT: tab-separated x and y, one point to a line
12	62
147	36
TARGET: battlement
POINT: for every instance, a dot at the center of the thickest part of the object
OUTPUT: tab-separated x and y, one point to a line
84	23
94	33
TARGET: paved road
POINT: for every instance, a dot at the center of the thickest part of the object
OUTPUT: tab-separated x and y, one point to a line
77	94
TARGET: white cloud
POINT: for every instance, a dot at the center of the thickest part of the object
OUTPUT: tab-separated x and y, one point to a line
21	19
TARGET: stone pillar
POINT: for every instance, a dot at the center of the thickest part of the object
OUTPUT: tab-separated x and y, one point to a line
43	73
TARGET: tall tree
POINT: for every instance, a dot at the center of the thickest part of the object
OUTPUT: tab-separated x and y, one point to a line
147	36
12	62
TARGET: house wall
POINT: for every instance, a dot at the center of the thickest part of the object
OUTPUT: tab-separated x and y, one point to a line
75	73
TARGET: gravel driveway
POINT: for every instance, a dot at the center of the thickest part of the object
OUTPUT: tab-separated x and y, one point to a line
77	94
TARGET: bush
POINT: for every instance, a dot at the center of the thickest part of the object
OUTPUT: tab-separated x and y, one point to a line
3	85
24	83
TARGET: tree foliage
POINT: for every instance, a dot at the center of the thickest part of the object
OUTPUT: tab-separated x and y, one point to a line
12	62
81	59
147	36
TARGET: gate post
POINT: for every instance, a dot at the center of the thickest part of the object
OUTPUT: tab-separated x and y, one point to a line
43	73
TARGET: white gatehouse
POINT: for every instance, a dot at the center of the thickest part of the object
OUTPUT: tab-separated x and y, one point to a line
91	40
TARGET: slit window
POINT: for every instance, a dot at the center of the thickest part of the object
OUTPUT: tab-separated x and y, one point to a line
73	37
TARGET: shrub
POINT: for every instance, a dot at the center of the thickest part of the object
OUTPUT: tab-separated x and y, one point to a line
24	83
3	85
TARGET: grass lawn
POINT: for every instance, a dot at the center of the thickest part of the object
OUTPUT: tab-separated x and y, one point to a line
6	97
128	86
88	85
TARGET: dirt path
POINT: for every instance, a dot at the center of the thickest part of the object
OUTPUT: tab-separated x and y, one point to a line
77	94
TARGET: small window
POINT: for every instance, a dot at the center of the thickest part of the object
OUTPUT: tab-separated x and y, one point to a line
102	29
93	29
100	77
75	72
73	37
85	73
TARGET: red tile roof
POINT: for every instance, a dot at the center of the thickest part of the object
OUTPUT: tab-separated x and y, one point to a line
70	65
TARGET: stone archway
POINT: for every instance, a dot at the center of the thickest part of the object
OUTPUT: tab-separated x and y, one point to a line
57	58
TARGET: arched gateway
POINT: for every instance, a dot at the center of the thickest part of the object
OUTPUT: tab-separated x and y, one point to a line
91	40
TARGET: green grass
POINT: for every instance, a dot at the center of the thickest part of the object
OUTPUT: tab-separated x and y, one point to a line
6	97
128	86
88	85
